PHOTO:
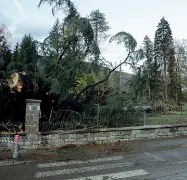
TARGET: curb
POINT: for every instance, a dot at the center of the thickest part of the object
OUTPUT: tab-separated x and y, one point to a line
12	162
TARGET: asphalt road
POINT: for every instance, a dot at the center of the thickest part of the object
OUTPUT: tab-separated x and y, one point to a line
161	160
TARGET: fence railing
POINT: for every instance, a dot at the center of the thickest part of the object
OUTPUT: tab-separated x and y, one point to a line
104	117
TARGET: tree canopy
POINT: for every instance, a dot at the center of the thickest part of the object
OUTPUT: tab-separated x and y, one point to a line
70	63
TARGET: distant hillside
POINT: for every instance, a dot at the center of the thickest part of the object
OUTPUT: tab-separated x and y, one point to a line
125	77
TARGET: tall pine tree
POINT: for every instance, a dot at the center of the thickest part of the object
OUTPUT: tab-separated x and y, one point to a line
151	71
148	51
100	27
146	82
165	57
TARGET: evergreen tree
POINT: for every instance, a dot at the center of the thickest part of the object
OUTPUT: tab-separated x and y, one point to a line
5	58
100	27
151	70
15	56
64	5
15	65
25	57
28	54
148	51
52	45
5	52
65	51
146	82
173	84
164	55
156	81
79	43
181	59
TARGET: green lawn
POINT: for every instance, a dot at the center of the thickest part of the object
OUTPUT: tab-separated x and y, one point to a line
172	117
166	119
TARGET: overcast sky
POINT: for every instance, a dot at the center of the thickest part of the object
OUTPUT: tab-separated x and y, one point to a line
138	17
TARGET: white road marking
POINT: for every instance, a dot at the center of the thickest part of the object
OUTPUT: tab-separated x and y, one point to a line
180	162
119	175
8	163
156	157
79	170
116	158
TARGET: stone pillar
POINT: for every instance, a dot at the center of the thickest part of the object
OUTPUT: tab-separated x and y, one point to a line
32	116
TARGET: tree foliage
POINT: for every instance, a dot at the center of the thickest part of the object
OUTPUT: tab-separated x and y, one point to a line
100	26
64	53
5	53
165	56
146	82
25	57
69	62
58	5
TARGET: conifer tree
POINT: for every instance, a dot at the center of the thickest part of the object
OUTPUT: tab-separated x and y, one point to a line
25	57
165	57
148	50
100	27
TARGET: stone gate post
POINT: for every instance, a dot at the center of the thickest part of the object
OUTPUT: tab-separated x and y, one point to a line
32	116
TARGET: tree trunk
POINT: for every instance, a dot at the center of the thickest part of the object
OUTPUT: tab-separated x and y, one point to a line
179	79
96	39
149	91
165	81
149	88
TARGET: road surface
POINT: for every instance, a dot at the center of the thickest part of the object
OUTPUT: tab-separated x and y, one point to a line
163	160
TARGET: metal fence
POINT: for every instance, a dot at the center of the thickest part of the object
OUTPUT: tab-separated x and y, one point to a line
105	117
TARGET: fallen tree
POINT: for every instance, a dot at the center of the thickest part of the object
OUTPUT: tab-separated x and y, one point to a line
21	82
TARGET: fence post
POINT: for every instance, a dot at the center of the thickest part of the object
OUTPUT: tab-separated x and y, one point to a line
98	110
144	117
8	142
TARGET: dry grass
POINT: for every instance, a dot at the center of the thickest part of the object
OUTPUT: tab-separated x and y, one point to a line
72	152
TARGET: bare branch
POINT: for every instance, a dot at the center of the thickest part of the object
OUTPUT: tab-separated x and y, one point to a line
106	78
106	63
5	127
59	59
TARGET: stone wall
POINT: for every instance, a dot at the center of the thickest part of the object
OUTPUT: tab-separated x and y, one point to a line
61	138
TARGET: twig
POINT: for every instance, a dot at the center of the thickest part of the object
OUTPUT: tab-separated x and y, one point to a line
10	100
5	127
51	114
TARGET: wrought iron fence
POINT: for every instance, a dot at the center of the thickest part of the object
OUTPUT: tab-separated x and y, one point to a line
105	117
67	119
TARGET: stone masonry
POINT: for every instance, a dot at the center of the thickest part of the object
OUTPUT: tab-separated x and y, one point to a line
32	116
99	136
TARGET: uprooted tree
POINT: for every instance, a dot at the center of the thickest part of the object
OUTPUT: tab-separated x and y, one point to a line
71	48
69	64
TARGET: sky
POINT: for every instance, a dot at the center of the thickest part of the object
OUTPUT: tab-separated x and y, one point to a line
137	17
